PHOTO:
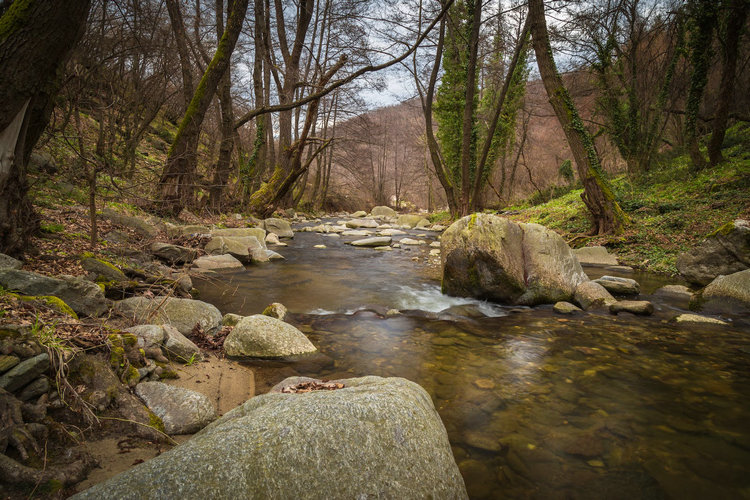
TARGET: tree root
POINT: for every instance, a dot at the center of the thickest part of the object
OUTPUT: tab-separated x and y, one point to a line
73	472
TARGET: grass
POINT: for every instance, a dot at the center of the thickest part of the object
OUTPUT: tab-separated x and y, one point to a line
671	207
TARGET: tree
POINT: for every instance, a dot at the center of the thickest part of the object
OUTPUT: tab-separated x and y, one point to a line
36	38
606	214
176	186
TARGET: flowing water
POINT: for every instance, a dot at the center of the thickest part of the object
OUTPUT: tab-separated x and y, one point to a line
536	405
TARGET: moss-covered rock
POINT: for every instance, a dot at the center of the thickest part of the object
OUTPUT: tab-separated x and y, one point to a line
724	252
55	303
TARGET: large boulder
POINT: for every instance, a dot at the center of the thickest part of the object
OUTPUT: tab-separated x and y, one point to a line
595	256
279	227
489	257
141	226
260	336
8	262
726	294
178	347
408	220
724	252
239	247
83	296
181	410
375	438
383	211
183	314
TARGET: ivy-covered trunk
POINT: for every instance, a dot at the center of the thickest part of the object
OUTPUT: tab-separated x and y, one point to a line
36	38
606	214
177	183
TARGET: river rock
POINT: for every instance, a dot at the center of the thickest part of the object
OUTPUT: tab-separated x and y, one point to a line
140	226
279	227
359	213
696	318
273	239
724	252
565	308
366	223
83	296
639	307
231	319
239	247
619	286
391	232
383	211
183	314
147	335
8	262
242	232
24	372
7	362
101	270
376	241
35	389
217	262
489	257
409	220
356	232
375	438
410	241
183	411
260	336
178	347
591	295
679	292
174	254
726	294
275	310
595	256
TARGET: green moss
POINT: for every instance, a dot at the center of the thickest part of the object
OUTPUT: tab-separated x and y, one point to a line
117	358
52	486
472	221
55	303
723	230
130	376
18	14
155	422
129	339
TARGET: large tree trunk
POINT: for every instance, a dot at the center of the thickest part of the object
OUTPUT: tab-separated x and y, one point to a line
606	214
177	183
735	20
36	38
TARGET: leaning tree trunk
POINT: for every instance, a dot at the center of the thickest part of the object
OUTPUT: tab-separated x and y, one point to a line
606	214
36	38
177	183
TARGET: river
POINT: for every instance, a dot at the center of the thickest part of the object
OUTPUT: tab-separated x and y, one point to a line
536	405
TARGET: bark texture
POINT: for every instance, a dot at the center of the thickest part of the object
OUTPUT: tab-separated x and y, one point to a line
36	38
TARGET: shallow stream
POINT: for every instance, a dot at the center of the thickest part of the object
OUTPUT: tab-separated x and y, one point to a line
536	405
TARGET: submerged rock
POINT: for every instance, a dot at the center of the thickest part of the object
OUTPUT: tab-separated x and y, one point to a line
619	286
260	336
375	438
696	318
489	257
181	410
596	256
183	314
724	252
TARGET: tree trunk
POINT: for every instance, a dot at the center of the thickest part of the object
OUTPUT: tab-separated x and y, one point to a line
176	186
606	214
735	20
36	38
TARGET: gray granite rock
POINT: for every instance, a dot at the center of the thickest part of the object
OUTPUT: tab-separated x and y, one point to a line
217	262
178	347
724	252
102	270
83	296
376	438
24	372
726	294
147	335
174	254
565	308
183	314
181	410
279	227
639	307
597	256
591	295
383	211
619	286
260	336
375	241
7	262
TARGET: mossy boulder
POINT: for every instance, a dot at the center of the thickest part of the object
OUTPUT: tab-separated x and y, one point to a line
490	257
83	296
723	252
180	410
409	220
383	211
101	270
239	247
234	232
374	438
55	303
